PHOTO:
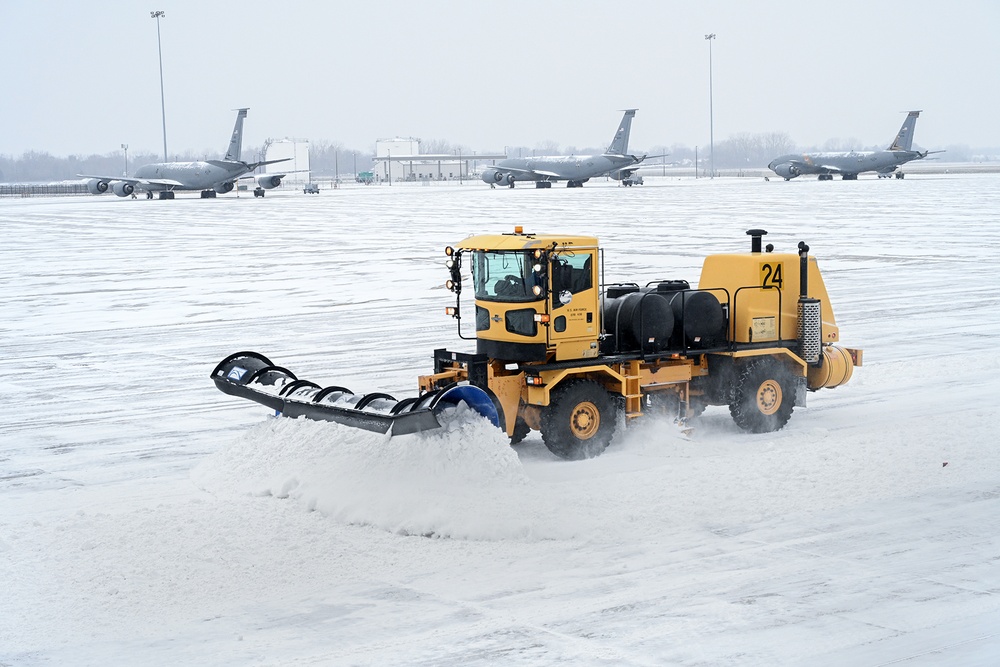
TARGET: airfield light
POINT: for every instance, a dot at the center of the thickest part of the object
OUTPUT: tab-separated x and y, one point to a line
711	123
163	109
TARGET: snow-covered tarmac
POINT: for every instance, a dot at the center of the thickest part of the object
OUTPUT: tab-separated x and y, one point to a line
146	518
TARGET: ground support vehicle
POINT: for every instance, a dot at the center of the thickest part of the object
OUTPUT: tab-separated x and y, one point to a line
559	351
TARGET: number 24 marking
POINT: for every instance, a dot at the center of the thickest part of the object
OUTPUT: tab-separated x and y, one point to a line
771	275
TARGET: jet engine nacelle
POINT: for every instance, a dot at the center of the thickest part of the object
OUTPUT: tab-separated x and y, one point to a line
122	189
622	174
787	170
268	182
223	188
492	175
96	186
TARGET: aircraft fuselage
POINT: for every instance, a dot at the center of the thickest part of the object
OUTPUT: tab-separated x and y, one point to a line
194	175
579	168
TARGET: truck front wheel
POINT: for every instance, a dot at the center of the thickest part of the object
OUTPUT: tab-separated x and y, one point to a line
763	397
521	431
579	421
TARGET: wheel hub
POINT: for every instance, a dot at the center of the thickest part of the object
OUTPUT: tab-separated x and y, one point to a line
585	420
769	397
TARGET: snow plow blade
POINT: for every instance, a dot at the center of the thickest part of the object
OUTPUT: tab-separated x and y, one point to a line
253	376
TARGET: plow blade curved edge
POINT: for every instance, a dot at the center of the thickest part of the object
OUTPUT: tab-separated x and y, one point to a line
252	376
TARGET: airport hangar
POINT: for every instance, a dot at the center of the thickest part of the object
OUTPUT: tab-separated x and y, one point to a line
400	159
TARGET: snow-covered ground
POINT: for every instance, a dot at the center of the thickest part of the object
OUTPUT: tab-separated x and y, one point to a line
146	518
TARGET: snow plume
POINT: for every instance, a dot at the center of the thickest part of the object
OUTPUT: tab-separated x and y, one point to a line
462	481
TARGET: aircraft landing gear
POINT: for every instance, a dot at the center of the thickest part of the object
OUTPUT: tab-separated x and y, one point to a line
543	184
848	177
166	194
258	192
208	194
574	184
900	174
149	194
826	177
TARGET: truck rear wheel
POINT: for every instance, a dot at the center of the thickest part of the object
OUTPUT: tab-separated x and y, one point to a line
763	397
579	421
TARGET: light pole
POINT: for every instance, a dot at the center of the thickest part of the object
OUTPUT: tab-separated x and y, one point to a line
711	119
125	148
163	109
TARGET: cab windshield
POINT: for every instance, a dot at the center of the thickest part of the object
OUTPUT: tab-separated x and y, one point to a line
503	275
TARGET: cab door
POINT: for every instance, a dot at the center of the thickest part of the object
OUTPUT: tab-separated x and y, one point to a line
574	321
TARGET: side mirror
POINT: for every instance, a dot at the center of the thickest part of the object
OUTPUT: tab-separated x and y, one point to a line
565	297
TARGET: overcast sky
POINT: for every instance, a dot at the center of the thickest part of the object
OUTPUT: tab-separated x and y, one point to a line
82	77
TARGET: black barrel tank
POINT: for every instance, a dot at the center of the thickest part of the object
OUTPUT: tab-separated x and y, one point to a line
636	319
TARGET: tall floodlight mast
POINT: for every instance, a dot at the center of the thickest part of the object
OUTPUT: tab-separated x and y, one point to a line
163	109
711	114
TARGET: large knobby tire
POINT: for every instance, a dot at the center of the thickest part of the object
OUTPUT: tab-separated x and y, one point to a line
579	421
763	397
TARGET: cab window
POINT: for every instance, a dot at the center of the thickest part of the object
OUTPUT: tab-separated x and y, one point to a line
503	276
571	273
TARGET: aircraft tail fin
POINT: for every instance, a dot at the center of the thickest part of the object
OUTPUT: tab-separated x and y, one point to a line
619	145
236	142
904	140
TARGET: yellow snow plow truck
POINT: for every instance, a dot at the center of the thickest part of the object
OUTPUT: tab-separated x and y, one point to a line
561	352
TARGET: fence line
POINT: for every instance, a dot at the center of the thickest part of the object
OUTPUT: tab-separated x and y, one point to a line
42	190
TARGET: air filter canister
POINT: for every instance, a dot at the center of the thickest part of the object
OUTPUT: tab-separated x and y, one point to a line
810	330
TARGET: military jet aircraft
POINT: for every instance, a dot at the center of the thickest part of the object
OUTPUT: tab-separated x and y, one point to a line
851	163
210	176
574	169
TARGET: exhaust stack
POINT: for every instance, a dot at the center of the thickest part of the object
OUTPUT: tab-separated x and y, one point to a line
810	324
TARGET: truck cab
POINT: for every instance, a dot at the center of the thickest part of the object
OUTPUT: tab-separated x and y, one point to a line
536	296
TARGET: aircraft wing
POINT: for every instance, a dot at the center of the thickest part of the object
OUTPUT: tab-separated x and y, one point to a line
250	177
625	171
630	169
163	182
